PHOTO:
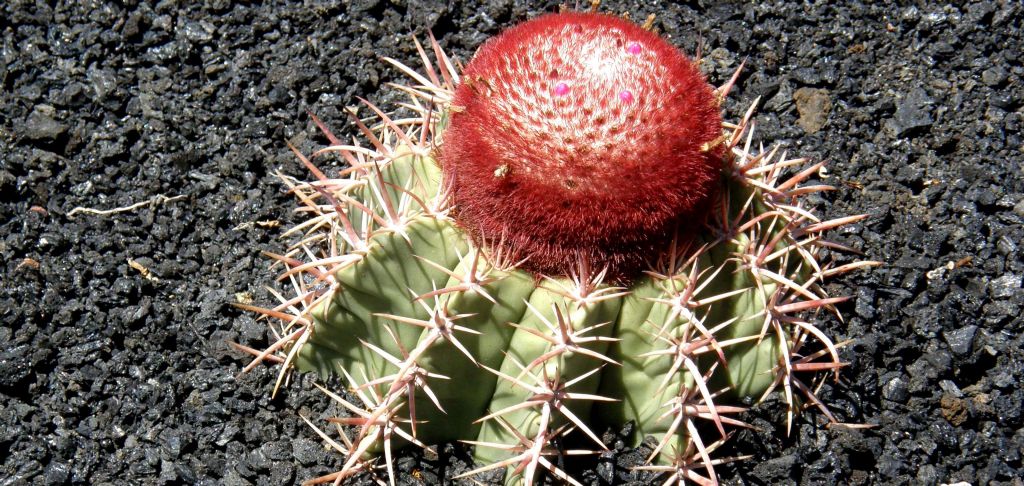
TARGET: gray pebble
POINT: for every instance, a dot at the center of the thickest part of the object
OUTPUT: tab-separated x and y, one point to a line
961	340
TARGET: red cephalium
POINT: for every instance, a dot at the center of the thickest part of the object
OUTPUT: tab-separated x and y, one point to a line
580	136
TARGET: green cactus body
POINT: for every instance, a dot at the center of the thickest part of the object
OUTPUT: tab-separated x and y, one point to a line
441	336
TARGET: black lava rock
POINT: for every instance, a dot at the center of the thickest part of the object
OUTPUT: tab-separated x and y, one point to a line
111	374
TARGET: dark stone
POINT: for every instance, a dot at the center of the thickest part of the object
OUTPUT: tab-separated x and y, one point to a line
42	127
1005	286
776	471
961	340
913	113
994	76
57	473
306	451
895	389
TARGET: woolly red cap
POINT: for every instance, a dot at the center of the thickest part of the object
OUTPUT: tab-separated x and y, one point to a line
580	135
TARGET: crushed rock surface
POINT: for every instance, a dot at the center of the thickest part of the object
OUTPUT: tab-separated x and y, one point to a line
114	368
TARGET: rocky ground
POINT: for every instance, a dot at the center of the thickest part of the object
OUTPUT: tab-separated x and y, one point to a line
113	367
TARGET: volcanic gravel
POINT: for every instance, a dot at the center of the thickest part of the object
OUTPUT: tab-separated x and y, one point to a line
114	367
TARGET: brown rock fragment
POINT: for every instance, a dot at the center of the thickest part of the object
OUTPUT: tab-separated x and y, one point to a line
813	104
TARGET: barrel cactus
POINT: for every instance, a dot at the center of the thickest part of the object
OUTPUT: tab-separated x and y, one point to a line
563	237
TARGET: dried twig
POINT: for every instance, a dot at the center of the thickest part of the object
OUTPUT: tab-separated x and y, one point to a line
159	199
146	273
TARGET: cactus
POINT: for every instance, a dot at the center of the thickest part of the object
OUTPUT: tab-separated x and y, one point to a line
550	246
